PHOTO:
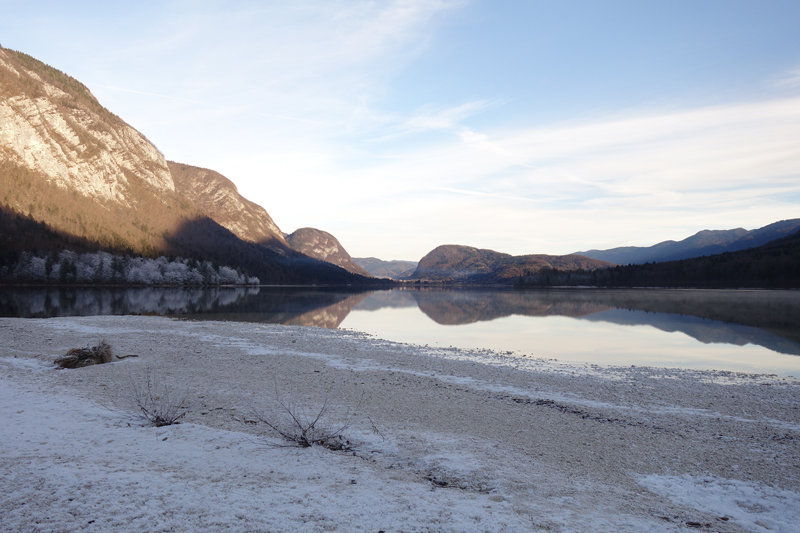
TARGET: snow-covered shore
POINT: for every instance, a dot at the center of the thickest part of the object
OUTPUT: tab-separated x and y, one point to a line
444	440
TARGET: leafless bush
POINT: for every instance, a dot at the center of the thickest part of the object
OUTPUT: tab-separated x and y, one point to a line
304	426
157	403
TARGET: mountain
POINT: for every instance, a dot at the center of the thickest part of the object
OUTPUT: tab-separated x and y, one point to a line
706	242
325	247
465	263
386	269
764	235
70	163
218	198
775	265
74	175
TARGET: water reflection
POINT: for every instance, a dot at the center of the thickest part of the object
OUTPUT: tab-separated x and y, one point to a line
298	306
53	302
702	329
465	307
329	316
746	331
770	319
767	318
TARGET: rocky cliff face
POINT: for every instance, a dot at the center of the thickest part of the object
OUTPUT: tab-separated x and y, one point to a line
325	247
68	162
218	198
451	262
51	124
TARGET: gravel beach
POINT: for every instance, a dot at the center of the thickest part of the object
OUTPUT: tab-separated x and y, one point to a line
439	439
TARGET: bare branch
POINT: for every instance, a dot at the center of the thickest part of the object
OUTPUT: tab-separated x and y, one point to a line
157	403
304	427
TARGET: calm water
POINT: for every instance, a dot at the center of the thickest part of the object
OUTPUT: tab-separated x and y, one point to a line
751	331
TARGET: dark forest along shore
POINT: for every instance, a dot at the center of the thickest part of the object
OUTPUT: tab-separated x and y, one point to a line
731	330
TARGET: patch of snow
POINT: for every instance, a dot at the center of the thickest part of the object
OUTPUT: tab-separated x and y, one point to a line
755	507
66	466
29	364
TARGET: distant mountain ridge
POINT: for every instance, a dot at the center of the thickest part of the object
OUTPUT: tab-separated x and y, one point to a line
774	265
706	242
386	269
452	262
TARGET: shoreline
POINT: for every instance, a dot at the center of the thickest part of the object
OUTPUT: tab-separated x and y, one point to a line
515	443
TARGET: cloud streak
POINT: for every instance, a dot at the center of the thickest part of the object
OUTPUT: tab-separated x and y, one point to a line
431	119
788	80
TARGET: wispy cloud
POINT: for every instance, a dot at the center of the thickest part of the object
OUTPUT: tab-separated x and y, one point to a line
482	194
430	118
145	93
321	63
613	182
787	80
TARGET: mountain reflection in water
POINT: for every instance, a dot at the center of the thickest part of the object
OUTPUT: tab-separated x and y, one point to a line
770	319
295	306
766	318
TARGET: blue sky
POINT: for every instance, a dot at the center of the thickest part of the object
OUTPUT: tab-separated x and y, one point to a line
520	126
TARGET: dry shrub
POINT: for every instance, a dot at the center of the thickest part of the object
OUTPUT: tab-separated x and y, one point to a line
157	403
86	356
306	427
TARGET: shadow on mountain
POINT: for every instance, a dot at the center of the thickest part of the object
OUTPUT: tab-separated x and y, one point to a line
21	233
204	238
199	238
703	243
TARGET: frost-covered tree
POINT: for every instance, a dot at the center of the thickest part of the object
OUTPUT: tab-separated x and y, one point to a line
104	268
30	268
228	276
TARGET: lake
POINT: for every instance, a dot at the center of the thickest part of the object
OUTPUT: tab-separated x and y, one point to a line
736	330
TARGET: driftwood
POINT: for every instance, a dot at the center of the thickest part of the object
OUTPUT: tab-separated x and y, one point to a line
88	355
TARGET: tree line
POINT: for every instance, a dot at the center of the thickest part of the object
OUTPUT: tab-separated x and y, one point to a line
775	265
69	267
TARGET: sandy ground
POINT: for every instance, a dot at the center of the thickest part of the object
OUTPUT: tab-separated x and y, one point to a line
442	440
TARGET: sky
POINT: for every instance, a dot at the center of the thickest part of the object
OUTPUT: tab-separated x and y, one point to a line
519	126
